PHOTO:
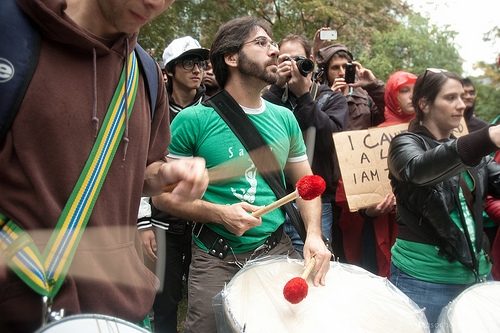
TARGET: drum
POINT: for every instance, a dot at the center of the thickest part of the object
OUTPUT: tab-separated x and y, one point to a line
474	310
353	300
90	323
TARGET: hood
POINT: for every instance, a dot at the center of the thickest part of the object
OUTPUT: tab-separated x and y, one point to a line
55	25
325	54
393	113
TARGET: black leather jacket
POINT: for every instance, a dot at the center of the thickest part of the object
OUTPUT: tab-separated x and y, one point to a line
425	177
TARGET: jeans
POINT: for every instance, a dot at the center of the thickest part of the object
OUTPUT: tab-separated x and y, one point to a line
326	228
431	296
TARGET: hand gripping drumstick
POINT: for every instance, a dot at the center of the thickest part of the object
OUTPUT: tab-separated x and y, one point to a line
308	188
296	289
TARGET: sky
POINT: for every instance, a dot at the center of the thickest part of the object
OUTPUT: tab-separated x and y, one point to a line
471	19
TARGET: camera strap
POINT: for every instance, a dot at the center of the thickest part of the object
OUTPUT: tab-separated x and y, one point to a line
313	90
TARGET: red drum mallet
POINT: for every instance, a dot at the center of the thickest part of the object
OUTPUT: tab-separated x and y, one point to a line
308	188
296	289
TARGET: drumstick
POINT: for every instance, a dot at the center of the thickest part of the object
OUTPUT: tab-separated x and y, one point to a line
215	174
308	188
233	168
296	289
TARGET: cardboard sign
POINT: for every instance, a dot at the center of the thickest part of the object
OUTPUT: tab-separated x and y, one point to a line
362	157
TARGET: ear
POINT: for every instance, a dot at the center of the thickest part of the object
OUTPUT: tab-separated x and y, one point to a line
424	105
231	59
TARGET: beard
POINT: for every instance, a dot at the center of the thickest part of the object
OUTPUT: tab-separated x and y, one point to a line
252	68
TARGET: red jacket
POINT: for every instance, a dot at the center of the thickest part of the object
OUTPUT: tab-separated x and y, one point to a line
492	208
385	226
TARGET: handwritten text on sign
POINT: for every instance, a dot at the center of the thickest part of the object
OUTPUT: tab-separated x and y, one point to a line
362	157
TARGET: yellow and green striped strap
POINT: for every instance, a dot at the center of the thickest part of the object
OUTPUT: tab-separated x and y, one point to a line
45	273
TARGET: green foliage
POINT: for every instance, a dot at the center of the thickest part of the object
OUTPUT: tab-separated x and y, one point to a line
411	46
488	92
355	20
488	85
492	34
384	35
491	74
487	102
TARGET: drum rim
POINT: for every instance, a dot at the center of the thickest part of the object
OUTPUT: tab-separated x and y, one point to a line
91	316
236	324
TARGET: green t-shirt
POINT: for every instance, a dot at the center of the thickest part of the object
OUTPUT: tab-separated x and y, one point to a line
200	131
423	262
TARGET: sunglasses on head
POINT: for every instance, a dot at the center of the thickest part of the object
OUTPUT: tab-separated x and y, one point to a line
434	71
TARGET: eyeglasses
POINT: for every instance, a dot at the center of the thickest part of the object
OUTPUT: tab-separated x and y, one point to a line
433	70
188	64
264	42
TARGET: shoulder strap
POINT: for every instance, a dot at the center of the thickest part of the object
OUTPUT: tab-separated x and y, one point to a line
45	272
473	201
250	137
151	75
19	53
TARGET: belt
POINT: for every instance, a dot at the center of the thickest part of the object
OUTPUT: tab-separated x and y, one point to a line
218	247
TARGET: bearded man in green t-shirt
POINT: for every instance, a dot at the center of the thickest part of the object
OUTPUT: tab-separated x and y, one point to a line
245	61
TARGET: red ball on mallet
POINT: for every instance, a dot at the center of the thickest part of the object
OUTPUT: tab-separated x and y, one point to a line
296	289
308	188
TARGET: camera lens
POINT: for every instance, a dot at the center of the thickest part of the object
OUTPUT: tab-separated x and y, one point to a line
305	65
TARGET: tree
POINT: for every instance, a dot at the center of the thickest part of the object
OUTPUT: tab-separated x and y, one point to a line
488	85
412	46
355	20
384	34
487	100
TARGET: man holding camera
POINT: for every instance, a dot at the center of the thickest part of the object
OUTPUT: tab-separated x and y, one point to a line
314	106
365	100
365	97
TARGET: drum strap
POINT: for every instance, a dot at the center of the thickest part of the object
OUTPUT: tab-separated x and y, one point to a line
45	273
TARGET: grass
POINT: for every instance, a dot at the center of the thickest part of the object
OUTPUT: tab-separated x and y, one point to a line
181	312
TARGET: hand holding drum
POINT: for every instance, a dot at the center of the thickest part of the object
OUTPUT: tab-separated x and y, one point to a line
308	188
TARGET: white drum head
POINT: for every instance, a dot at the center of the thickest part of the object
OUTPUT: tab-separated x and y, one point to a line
475	310
353	300
90	323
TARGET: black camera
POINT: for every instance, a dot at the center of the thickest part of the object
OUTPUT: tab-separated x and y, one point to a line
305	65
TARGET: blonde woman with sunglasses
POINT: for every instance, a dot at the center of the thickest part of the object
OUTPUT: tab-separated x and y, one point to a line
440	184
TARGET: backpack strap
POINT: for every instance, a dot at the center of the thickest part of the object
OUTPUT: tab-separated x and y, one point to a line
148	64
19	53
